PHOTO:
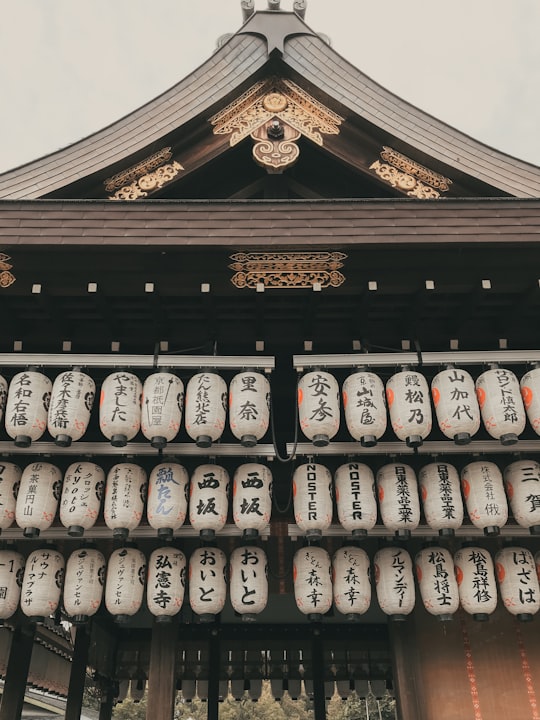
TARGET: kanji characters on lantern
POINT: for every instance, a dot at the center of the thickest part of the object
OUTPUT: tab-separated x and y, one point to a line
124	586
84	584
249	407
125	495
168	489
206	408
312	581
248	581
42	583
456	406
120	407
350	581
37	501
207	583
27	407
522	481
483	490
318	407
11	577
161	408
441	497
501	405
166	583
437	582
10	478
365	407
82	493
407	394
475	577
394	582
518	582
252	498
72	398
398	498
209	499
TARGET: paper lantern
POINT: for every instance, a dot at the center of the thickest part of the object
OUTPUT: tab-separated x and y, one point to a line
248	581
407	394
252	498
124	586
483	491
3	395
209	499
166	583
522	481
318	407
399	504
475	577
501	405
42	584
518	582
125	493
365	407
530	393
312	581
355	498
72	398
350	580
437	582
161	408
441	497
120	407
10	478
81	497
249	407
394	582
83	585
27	407
206	408
207	585
37	501
312	498
456	406
11	577
167	498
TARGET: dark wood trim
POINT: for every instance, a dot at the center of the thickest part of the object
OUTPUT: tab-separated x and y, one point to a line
20	655
162	672
78	674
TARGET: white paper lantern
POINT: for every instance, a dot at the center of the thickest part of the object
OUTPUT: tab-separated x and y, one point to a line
475	577
312	581
37	501
125	494
501	405
365	407
27	407
209	499
355	498
248	581
530	393
11	577
10	478
394	582
407	394
166	583
252	498
441	497
42	584
167	498
249	407
206	408
124	587
399	504
81	497
84	583
437	582
207	584
318	407
485	500
350	580
518	582
120	407
312	498
161	409
3	395
456	406
72	398
522	481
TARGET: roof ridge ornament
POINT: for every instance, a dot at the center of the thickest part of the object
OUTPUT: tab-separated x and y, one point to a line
274	23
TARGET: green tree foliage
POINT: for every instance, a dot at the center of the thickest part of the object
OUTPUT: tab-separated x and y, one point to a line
129	710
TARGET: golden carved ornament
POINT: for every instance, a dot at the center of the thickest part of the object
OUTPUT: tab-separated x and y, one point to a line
404	182
409	176
287	270
402	162
148	183
275	154
6	278
134	172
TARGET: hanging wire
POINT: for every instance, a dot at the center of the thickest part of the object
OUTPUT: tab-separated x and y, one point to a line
284	510
292	456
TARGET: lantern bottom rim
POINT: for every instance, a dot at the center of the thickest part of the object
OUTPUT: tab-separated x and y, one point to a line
414	441
248	441
203	441
445	617
320	440
492	530
462	438
359	533
207	617
480	617
250	533
62	440
534	529
165	533
447	532
80	619
207	533
403	534
249	617
75	531
158	441
23	441
525	617
122	619
508	439
120	533
368	441
163	619
119	440
31	532
399	617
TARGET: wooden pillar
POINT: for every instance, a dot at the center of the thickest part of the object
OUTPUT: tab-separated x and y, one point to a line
78	674
213	674
107	701
162	672
20	654
407	692
317	663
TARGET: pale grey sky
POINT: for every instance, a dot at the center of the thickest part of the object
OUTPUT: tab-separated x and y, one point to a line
69	68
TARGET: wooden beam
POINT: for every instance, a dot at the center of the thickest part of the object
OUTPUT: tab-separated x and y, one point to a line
78	674
213	674
317	662
162	671
20	655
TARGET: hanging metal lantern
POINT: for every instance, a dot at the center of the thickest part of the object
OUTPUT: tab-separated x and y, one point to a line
407	394
456	406
437	582
312	582
365	407
355	498
166	583
209	499
3	395
125	494
72	398
501	405
10	478
81	497
248	581
398	498
37	501
206	408
252	498
441	497
124	586
42	584
161	408
249	407
530	393
318	407
207	584
522	481
394	582
351	583
11	577
483	491
83	585
312	498
27	407
518	582
120	407
475	577
167	498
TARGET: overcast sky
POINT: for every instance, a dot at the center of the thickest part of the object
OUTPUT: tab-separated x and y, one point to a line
69	68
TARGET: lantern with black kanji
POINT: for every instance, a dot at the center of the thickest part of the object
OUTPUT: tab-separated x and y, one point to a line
407	394
312	498
437	582
248	582
530	393
475	577
10	478
441	497
11	577
394	582
120	407
355	498
456	406
501	406
518	582
350	581
399	504
318	407
166	583
249	407
209	499
84	584
82	493
483	490
27	407
207	583
42	584
124	586
522	482
37	501
312	581
252	498
125	495
206	408
365	407
161	408
168	488
72	398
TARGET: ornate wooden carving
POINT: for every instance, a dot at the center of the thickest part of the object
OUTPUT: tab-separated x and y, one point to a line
410	177
6	278
144	177
287	270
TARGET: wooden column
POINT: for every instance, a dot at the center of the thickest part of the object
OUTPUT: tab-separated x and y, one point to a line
162	672
317	664
213	674
78	674
20	655
107	701
403	644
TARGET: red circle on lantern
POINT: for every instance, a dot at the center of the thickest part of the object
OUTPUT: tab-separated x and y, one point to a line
294	488
500	572
436	395
481	395
527	395
381	493
466	487
345	399
423	492
300	396
390	396
509	490
419	573
459	574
